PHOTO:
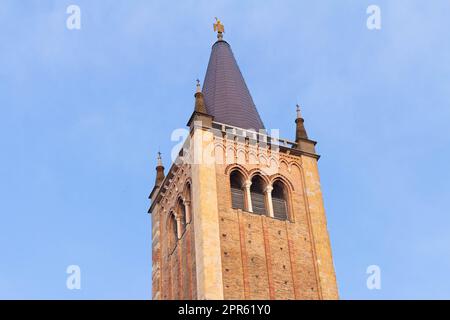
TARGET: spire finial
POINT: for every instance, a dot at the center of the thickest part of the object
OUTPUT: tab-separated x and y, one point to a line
199	101
159	171
219	28
299	113
159	159
300	132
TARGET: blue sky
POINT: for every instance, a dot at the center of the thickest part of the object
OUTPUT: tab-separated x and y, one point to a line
84	112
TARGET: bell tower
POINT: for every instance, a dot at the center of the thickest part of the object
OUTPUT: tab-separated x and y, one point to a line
240	213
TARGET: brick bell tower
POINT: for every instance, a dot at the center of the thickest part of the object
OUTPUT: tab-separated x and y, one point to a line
239	214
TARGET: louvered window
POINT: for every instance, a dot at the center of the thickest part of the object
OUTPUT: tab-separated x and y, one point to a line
237	192
257	195
258	203
237	198
279	201
182	215
173	233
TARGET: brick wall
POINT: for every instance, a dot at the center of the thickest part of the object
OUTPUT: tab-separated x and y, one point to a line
261	257
266	258
173	269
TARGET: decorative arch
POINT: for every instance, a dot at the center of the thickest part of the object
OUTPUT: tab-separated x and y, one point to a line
293	164
233	167
237	189
172	232
181	215
274	161
259	172
263	160
257	194
187	197
220	153
281	177
241	156
253	158
280	200
284	166
187	190
282	194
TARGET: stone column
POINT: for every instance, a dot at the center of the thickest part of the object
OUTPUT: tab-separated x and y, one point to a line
179	226
268	192
187	209
248	196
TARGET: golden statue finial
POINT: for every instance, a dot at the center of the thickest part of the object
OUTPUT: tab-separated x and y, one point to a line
219	28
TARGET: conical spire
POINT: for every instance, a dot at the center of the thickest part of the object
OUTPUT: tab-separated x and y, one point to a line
300	130
199	101
159	172
227	97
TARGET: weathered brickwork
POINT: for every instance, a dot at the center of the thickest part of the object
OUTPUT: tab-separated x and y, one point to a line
173	265
265	258
258	256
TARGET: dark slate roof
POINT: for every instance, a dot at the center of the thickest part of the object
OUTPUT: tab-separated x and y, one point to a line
227	97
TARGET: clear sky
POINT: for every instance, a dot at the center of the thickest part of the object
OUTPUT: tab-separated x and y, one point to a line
83	113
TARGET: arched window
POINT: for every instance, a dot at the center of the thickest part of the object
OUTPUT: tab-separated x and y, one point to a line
188	203
279	200
173	232
237	190
181	211
257	195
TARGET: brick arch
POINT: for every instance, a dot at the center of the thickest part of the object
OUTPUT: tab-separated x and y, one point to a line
288	190
284	164
264	160
241	156
295	164
186	188
232	167
220	152
171	228
274	159
187	197
169	215
258	192
180	214
230	149
259	172
283	179
253	158
179	200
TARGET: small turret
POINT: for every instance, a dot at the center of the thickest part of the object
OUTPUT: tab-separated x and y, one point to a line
199	101
200	114
303	143
159	172
300	132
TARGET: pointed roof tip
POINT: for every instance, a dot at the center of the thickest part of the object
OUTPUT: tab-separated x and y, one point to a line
226	94
159	159
199	99
159	171
299	112
300	131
